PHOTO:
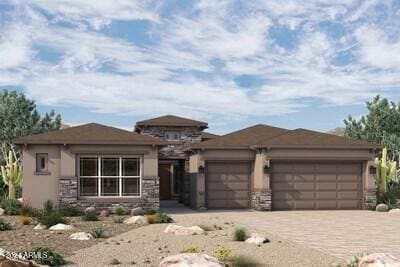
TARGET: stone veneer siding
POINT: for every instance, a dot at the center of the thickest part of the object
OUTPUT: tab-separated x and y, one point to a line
369	199
68	193
261	200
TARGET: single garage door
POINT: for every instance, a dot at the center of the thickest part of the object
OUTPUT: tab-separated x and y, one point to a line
316	185
227	184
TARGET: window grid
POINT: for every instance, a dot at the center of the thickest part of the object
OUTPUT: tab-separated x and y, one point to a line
120	176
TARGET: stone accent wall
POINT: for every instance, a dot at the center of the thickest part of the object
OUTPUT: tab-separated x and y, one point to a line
189	135
149	200
369	199
261	200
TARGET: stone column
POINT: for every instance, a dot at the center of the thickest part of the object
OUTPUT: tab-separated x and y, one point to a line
68	189
201	183
261	195
369	190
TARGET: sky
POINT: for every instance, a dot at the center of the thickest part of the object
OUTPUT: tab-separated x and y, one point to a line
292	64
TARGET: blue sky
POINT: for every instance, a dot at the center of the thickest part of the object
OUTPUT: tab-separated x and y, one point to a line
232	63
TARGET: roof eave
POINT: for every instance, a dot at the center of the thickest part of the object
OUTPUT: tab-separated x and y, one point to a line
321	146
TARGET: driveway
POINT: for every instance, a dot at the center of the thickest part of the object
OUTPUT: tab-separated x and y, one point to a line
339	233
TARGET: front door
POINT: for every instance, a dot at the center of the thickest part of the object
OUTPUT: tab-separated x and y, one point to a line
164	171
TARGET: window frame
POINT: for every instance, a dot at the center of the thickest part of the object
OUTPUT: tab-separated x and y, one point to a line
40	156
119	176
167	133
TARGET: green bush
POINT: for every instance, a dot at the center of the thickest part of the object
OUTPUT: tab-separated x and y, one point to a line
4	226
48	207
48	257
11	206
240	234
67	210
90	216
119	211
27	210
391	195
118	219
151	212
163	218
51	219
223	254
98	232
243	261
191	250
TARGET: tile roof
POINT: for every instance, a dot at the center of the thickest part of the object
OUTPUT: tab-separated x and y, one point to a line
91	133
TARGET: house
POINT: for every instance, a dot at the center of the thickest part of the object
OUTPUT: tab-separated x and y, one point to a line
171	158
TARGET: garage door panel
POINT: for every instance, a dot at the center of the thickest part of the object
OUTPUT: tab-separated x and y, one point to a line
227	186
282	177
228	168
228	177
223	195
316	185
304	178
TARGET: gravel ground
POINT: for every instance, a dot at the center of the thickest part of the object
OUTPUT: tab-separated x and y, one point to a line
23	237
146	246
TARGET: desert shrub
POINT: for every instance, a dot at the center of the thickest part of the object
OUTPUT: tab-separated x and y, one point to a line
90	216
4	226
243	261
25	220
48	257
158	218
119	211
151	219
28	211
191	250
11	206
67	210
223	254
151	212
118	219
98	232
51	219
48	207
240	234
390	196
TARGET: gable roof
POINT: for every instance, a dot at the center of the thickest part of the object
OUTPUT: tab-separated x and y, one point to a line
307	138
208	136
241	139
171	120
91	133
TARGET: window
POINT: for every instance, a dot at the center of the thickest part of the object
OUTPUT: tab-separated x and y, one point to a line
172	135
109	176
42	162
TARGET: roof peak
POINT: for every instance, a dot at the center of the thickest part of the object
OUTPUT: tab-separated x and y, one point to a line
172	120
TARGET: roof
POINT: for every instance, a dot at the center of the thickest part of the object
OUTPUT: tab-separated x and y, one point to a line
91	133
264	136
208	136
171	120
241	139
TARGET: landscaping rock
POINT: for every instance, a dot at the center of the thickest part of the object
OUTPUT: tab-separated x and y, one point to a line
7	262
256	239
40	226
397	211
1	212
139	220
190	260
62	227
171	228
105	213
90	209
379	260
114	262
81	236
137	212
382	207
193	230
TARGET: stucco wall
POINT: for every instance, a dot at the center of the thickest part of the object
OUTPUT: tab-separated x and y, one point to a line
62	164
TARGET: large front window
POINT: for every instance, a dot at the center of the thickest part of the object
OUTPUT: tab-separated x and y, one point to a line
109	176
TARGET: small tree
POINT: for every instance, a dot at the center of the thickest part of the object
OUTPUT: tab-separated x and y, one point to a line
12	174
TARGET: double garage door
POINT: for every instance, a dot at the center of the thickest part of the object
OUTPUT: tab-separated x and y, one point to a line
306	185
295	185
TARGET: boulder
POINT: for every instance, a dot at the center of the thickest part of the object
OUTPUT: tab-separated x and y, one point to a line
105	213
396	211
192	230
190	260
137	212
7	262
90	209
1	212
256	239
81	236
139	220
171	228
379	260
40	226
382	207
62	227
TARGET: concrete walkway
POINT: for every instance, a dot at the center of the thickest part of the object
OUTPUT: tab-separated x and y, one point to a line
339	233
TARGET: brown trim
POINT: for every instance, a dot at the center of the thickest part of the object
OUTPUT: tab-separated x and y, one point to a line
42	173
109	199
94	152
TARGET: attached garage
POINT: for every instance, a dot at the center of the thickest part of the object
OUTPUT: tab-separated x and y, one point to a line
228	184
316	185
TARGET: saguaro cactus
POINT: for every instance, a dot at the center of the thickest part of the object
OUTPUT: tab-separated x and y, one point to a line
12	174
386	171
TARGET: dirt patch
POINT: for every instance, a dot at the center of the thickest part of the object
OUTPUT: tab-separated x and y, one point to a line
24	237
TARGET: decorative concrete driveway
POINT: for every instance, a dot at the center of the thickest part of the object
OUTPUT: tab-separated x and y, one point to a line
339	233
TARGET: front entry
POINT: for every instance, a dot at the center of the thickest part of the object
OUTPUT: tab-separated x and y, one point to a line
164	171
170	172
